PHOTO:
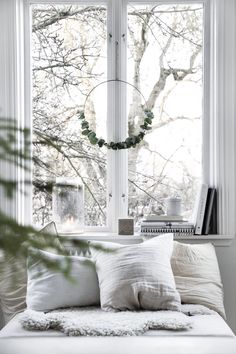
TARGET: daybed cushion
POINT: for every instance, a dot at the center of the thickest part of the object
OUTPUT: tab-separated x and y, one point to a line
197	275
137	276
203	325
49	289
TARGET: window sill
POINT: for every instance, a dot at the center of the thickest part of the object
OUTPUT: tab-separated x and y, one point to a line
217	240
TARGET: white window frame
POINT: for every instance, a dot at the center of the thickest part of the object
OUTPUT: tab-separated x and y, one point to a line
218	130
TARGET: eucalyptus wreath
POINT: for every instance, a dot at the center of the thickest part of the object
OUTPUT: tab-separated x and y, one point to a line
130	141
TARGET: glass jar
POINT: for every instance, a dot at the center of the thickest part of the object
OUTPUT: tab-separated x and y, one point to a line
174	206
68	204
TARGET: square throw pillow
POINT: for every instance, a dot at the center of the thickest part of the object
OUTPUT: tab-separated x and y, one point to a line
51	231
197	275
13	280
137	276
49	289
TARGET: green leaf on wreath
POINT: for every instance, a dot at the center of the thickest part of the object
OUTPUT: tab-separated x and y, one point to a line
128	141
121	145
101	142
149	114
91	134
93	140
81	116
148	120
141	135
133	139
86	132
85	125
143	126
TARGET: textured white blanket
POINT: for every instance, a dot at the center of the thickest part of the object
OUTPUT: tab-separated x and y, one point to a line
92	321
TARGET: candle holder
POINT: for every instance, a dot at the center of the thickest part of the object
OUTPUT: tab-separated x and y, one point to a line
68	204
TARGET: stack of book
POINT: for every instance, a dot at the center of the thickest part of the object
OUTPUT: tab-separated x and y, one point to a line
158	224
205	220
206	216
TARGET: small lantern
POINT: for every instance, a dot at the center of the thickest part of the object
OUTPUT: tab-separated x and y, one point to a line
68	204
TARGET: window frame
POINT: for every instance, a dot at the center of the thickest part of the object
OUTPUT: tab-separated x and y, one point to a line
219	162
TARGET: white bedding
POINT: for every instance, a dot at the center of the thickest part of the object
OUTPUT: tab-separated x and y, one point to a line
203	325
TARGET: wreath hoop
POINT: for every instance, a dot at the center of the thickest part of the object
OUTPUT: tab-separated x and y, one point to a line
131	140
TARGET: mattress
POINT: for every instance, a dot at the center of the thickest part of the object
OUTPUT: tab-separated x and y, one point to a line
203	325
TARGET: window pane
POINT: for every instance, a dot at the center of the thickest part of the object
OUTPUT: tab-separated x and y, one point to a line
165	63
69	59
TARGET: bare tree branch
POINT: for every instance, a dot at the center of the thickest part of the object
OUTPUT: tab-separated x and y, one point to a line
61	15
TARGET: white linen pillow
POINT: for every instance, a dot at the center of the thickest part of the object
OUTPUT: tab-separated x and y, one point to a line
49	289
136	276
13	278
197	275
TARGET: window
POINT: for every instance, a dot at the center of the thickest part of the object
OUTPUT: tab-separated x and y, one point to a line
165	61
158	49
218	126
69	57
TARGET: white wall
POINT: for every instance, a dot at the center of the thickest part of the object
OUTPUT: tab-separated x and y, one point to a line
1	318
227	262
227	255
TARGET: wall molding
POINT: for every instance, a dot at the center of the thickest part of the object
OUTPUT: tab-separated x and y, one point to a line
223	111
8	92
